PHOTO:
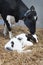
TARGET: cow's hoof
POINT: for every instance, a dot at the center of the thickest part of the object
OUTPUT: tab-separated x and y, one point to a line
10	35
4	34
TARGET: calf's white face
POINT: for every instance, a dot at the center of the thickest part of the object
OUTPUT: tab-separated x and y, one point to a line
13	44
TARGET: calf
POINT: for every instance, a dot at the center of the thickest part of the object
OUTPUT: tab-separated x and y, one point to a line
20	41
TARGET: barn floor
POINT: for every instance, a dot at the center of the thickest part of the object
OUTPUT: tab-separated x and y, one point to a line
13	58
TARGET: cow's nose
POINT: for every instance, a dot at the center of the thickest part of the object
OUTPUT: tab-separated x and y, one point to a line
8	49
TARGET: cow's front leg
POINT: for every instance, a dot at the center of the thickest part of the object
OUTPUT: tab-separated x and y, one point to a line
10	20
5	30
7	24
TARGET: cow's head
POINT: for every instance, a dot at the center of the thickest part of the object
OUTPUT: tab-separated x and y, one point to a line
35	38
31	14
32	38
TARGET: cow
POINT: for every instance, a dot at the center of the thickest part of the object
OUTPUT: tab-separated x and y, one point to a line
20	11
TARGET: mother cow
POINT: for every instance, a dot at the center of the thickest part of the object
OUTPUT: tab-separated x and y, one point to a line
19	10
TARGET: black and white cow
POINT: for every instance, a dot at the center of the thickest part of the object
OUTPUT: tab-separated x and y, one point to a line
19	10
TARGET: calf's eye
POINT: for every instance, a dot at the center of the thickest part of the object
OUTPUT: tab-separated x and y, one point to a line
12	44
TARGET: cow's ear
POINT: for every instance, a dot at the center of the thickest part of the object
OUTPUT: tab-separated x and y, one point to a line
12	44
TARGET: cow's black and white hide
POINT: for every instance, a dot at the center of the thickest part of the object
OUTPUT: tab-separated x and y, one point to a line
19	10
11	21
19	42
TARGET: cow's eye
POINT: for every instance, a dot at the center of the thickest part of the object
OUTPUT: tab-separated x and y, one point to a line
12	44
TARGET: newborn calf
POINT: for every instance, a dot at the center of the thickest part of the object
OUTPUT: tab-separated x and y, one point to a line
18	43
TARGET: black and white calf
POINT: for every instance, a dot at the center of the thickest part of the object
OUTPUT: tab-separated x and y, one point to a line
19	10
19	42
